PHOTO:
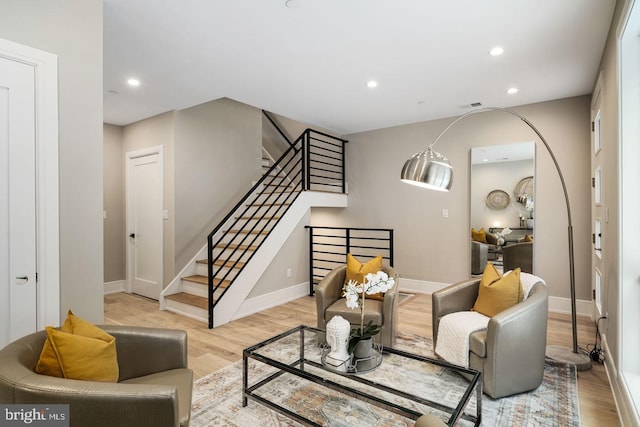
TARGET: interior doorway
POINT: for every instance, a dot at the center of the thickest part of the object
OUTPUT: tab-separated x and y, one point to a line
29	219
144	203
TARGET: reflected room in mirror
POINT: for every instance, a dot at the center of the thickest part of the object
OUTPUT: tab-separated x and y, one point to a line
502	206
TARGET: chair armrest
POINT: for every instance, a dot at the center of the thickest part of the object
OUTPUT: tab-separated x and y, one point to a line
390	309
458	297
100	404
143	351
517	337
328	291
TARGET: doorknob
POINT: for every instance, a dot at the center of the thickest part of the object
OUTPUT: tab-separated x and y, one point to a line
132	235
25	278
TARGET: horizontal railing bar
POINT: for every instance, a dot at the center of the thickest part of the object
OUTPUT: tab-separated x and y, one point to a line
313	154
314	163
320	171
313	131
347	228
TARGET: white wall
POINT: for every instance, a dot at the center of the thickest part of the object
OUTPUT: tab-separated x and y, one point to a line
72	29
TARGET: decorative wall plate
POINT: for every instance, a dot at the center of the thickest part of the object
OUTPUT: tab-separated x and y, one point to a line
497	200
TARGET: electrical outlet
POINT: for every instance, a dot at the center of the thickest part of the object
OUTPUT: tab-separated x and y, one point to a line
445	213
288	272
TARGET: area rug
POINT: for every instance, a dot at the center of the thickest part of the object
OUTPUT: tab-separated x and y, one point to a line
217	400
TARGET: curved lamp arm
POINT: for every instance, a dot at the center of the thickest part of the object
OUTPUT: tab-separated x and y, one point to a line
566	198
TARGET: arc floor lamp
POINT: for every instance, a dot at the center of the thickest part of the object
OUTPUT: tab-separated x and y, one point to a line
430	169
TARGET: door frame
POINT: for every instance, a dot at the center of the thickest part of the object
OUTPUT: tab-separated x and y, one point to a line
130	155
47	187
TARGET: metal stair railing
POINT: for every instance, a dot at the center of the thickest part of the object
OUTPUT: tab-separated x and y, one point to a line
329	246
250	221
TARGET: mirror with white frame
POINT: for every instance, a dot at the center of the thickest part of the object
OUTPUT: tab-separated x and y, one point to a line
501	196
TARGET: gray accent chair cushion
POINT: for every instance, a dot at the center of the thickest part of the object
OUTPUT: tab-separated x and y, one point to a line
154	388
329	302
510	353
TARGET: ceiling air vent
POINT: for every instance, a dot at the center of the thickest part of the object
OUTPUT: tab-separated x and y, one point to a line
472	105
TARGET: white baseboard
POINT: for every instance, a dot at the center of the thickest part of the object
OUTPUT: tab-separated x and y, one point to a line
624	404
563	305
414	286
556	304
115	287
273	299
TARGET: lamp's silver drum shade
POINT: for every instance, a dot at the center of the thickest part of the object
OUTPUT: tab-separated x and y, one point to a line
428	169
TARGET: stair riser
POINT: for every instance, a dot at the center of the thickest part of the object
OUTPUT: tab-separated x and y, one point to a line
187	310
202	270
198	289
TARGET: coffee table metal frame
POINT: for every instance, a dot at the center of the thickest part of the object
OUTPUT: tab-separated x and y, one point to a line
297	368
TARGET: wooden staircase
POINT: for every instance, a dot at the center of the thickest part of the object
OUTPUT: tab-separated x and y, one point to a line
241	247
192	299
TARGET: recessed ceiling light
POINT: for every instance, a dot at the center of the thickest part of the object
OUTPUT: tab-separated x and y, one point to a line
496	51
133	82
512	90
372	84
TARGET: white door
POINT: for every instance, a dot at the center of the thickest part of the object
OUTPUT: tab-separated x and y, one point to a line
144	222
18	292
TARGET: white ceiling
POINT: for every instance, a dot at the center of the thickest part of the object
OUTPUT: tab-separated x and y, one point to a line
311	60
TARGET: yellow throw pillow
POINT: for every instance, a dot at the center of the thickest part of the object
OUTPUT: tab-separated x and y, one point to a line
85	358
356	271
49	362
490	275
479	235
498	295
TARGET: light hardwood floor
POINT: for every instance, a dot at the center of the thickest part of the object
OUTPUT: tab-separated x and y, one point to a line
212	349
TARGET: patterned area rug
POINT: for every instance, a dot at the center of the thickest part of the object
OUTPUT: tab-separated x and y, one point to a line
217	400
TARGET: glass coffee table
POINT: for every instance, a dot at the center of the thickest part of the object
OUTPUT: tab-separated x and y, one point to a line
286	373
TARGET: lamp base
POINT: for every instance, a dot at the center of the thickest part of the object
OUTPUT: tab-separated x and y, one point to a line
566	355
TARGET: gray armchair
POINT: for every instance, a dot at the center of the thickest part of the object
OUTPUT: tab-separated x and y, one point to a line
154	388
329	303
510	353
479	256
518	255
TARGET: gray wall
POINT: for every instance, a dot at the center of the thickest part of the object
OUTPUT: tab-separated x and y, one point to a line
294	255
217	158
114	223
432	248
39	24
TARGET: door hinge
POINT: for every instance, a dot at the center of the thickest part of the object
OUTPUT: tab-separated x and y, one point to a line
593	126
594	293
36	277
593	182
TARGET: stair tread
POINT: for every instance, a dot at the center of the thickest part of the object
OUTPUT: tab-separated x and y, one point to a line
196	278
190	299
266	218
234	246
263	232
222	263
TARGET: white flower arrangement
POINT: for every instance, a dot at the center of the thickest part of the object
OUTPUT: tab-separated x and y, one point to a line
355	294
